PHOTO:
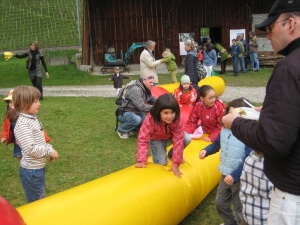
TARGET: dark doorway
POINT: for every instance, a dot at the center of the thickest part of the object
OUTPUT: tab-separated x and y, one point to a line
213	32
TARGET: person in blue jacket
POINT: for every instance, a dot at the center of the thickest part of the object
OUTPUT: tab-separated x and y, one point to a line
232	157
209	58
235	51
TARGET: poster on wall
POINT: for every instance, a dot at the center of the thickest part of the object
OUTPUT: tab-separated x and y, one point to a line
182	38
235	33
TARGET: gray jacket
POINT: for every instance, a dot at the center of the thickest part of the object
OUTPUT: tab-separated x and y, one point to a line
253	46
137	99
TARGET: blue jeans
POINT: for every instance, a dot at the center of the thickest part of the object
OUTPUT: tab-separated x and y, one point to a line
235	60
242	63
254	59
17	149
34	183
130	121
158	149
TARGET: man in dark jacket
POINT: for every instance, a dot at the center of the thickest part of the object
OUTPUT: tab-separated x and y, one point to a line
277	133
235	51
138	100
190	63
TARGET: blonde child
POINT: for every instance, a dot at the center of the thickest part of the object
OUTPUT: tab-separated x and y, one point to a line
232	158
185	94
169	60
30	136
163	123
9	125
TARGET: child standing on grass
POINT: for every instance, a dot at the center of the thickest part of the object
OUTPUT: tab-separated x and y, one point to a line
117	79
30	136
256	190
9	124
170	61
232	158
163	123
185	94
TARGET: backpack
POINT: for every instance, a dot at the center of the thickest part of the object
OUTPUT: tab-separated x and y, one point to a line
200	70
121	95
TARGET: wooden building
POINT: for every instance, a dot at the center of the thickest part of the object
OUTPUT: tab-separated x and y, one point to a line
123	22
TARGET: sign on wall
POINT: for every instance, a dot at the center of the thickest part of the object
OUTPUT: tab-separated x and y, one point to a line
182	38
235	33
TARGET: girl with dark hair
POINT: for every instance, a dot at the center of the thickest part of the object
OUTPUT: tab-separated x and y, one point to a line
163	123
207	112
35	58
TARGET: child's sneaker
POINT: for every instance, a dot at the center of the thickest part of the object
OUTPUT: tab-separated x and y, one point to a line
131	133
123	135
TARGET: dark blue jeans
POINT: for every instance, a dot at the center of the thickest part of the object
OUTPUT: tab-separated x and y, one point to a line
34	183
235	64
130	121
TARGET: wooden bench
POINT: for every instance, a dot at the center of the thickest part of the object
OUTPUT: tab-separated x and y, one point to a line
268	58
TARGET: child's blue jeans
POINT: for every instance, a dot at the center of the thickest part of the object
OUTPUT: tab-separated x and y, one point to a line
34	183
158	149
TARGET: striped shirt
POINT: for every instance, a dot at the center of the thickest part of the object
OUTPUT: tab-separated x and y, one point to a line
30	137
255	192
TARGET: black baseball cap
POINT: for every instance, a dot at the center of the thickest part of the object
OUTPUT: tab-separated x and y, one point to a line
279	6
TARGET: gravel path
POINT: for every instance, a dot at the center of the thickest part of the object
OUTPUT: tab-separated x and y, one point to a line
254	94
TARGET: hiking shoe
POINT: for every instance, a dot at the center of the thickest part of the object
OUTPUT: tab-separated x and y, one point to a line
123	135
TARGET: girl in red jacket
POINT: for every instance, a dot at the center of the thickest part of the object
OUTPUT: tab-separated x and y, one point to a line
163	123
208	112
9	125
185	94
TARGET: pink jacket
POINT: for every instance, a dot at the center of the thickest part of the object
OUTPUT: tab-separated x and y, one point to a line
152	131
210	118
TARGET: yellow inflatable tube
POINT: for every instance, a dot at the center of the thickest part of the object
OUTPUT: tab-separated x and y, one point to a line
151	195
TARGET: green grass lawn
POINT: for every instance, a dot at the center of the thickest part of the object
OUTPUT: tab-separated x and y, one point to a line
82	131
49	22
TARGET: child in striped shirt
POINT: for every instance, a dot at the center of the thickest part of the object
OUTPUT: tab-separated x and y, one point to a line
30	137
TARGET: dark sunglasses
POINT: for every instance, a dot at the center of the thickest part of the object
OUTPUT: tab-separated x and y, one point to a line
149	77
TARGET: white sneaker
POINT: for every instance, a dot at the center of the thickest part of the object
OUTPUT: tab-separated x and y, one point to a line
123	135
131	133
